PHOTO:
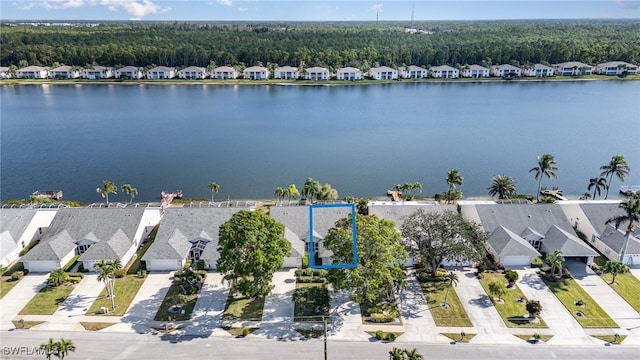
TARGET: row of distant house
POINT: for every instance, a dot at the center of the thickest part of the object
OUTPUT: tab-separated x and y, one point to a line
572	68
517	232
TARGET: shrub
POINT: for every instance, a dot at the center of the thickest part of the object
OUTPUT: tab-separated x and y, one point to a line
537	263
245	332
17	275
320	273
380	318
596	268
299	272
391	337
308	272
479	276
537	336
318	280
57	277
200	264
68	266
29	247
144	273
534	307
120	273
305	261
511	276
77	274
187	264
379	334
305	279
74	279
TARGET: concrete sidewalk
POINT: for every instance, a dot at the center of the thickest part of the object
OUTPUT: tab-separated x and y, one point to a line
145	304
277	315
207	313
346	318
18	297
483	314
565	327
416	316
615	306
635	272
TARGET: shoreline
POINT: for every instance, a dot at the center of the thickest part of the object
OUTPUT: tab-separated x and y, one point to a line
278	82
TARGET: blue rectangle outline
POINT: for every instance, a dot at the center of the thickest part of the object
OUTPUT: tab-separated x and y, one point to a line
312	262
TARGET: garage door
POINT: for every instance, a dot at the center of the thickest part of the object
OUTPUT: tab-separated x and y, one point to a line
515	260
163	265
40	266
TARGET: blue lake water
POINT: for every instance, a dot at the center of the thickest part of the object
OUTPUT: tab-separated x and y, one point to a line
360	139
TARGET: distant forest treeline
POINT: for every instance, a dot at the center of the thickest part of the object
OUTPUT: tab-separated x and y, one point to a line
330	45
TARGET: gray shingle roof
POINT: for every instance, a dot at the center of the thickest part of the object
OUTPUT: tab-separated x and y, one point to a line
519	217
70	225
614	238
569	244
399	212
114	247
297	245
296	218
181	225
507	243
598	214
15	221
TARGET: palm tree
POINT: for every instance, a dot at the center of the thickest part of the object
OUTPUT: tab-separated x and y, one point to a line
417	187
556	260
57	277
64	346
279	193
106	273
129	190
503	186
413	354
454	178
396	354
614	268
452	280
597	183
310	189
214	187
546	167
617	166
107	188
631	208
292	192
50	348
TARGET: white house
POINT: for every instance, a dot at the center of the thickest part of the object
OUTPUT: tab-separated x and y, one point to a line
572	68
475	71
64	72
161	72
97	72
32	72
285	72
94	234
317	73
538	70
383	73
349	73
505	70
616	68
256	73
444	72
129	72
413	72
5	72
193	72
18	228
224	72
590	217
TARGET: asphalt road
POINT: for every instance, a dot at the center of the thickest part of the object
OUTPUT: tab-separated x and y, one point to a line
90	346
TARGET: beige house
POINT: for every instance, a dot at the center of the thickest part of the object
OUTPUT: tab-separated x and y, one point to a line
224	73
64	72
572	68
286	73
32	72
256	73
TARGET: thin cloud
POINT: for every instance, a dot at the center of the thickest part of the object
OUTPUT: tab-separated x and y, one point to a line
377	7
137	9
225	2
629	5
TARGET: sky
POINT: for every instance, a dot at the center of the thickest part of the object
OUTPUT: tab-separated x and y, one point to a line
314	10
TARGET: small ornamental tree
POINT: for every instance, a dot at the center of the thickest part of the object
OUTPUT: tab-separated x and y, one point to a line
511	276
614	268
534	308
497	289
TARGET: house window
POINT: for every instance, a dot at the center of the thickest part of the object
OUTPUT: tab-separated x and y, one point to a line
196	250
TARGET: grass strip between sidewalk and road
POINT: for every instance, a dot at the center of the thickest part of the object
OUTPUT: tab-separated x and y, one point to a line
95	326
569	292
513	312
126	289
47	300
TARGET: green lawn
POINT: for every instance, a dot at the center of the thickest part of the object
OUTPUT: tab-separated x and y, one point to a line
311	312
568	292
25	324
242	308
95	326
189	303
6	285
611	339
512	311
544	338
457	337
126	289
47	301
455	315
627	286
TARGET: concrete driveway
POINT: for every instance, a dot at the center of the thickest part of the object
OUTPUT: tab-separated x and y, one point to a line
206	315
277	315
19	296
